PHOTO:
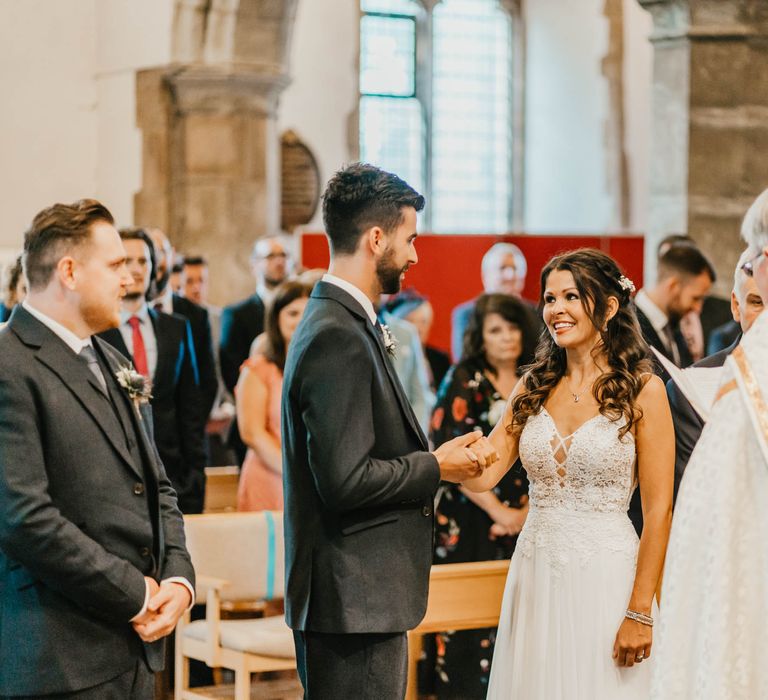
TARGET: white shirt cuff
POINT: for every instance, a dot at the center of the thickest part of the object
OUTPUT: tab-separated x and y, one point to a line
173	579
182	581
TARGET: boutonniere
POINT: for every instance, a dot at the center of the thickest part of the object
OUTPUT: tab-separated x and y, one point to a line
390	344
137	386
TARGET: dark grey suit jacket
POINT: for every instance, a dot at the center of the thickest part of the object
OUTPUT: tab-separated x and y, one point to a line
688	423
179	411
358	480
86	511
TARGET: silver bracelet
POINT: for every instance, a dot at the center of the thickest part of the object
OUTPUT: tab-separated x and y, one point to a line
639	617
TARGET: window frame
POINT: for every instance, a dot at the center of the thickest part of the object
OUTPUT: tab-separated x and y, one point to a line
423	94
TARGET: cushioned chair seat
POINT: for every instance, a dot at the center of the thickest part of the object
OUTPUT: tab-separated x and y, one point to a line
266	636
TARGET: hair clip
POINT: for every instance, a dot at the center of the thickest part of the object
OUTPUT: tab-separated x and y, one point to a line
627	284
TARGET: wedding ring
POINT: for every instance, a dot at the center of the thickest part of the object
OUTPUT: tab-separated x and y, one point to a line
640	658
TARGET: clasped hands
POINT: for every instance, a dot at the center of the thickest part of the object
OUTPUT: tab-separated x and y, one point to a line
465	457
167	603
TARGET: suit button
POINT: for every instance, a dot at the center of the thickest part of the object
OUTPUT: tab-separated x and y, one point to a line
145	552
138	489
426	511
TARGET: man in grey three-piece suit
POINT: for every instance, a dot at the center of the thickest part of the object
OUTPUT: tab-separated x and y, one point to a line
359	479
93	567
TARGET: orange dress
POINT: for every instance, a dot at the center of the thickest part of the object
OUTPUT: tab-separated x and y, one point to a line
260	488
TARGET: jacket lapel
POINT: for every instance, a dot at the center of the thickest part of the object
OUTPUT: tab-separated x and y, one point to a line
405	405
78	379
326	290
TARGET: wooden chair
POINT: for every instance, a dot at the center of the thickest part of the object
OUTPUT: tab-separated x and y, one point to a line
237	557
461	597
221	489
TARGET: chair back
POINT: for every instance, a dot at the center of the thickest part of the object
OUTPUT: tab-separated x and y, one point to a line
221	489
245	549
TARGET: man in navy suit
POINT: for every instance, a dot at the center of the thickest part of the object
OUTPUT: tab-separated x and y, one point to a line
162	349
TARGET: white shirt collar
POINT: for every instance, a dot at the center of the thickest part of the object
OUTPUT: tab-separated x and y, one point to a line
75	343
354	292
142	313
265	293
656	316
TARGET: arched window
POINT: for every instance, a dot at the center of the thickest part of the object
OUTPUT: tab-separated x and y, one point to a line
437	106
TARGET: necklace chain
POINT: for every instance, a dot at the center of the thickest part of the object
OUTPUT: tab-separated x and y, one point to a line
576	396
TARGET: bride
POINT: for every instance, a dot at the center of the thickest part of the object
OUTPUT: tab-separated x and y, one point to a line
588	420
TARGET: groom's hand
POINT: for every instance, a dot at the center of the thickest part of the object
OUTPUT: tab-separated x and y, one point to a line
465	457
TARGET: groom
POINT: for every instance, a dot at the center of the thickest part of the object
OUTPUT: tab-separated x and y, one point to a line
359	480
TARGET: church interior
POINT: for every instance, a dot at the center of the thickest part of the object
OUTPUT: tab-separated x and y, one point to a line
548	124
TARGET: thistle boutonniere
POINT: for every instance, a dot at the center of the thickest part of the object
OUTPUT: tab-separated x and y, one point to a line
390	344
137	386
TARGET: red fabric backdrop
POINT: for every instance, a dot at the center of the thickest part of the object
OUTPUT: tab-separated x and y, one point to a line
448	271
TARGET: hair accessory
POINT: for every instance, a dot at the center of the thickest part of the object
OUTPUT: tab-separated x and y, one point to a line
627	284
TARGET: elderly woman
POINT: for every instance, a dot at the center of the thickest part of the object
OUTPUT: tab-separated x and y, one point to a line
500	339
258	393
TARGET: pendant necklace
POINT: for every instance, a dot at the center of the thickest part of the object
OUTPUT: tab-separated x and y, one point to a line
577	396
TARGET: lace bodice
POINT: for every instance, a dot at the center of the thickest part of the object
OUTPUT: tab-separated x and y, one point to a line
592	469
580	487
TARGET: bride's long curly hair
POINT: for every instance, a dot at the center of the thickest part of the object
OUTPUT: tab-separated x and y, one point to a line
621	343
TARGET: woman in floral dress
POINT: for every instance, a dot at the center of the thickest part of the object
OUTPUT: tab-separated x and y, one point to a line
500	339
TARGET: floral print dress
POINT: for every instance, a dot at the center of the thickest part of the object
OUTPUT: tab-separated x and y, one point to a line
462	660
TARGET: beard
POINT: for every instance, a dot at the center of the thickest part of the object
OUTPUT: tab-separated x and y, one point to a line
132	296
100	316
388	273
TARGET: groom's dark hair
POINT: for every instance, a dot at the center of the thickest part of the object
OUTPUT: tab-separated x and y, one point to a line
361	196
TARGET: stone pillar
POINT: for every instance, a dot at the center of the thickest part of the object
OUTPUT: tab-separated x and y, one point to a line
211	170
710	123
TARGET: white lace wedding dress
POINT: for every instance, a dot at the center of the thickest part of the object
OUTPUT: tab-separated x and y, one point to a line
571	576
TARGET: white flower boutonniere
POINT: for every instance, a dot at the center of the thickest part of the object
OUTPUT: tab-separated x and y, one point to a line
496	411
389	340
136	385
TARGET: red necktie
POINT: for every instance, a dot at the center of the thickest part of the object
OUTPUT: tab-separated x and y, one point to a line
139	351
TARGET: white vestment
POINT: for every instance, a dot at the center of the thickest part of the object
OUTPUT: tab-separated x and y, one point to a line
710	641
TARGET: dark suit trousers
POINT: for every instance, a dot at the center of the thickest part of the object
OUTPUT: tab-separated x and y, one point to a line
138	683
360	666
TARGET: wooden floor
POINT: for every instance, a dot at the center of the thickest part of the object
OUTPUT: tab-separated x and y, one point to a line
286	687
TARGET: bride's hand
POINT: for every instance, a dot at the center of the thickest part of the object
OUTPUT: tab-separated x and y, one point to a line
633	643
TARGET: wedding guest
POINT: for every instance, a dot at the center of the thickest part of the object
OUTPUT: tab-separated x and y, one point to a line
160	346
697	327
723	336
410	365
258	393
94	572
14	289
684	277
194	287
746	304
241	323
503	271
416	309
499	341
163	298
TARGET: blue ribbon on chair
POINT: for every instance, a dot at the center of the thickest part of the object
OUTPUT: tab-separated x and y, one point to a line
270	519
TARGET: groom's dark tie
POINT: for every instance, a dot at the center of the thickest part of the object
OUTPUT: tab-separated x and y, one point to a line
88	355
